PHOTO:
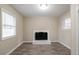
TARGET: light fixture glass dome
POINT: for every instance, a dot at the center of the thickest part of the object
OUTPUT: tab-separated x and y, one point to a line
43	6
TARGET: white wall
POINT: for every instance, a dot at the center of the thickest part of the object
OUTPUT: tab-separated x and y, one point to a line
75	25
78	29
9	44
32	23
65	35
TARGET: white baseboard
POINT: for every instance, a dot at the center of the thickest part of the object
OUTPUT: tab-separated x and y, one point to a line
32	41
53	41
27	41
14	48
65	45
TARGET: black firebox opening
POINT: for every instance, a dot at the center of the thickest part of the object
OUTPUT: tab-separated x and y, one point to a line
41	36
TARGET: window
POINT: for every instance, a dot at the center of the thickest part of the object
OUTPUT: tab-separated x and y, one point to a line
67	23
8	25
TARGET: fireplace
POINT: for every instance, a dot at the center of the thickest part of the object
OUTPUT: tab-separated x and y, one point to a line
41	37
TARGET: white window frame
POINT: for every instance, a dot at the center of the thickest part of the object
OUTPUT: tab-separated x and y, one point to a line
9	13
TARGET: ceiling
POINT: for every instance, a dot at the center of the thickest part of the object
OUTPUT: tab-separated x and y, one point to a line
54	10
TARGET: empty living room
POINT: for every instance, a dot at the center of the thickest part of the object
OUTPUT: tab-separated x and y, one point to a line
39	29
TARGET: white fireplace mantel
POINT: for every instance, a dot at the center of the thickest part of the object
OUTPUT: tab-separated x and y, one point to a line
41	41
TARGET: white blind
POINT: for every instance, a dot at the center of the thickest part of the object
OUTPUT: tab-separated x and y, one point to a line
8	25
67	23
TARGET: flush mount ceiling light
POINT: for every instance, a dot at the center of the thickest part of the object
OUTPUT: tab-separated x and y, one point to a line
43	6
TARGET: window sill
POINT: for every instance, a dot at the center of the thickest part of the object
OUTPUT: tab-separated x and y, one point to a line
5	38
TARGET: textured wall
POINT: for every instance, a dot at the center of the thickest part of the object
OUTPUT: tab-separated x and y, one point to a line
43	23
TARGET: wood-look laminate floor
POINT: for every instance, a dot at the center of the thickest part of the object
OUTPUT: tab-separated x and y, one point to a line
54	48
